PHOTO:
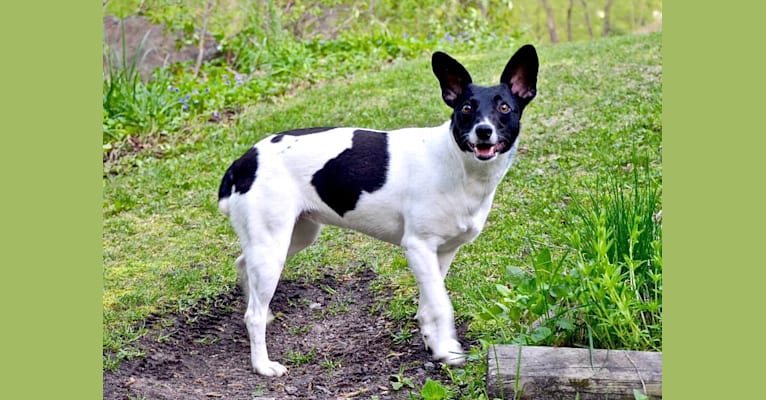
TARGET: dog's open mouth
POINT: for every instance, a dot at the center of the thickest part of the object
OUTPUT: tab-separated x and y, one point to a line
487	151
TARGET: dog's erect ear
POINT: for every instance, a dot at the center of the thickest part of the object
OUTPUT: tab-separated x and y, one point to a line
452	76
521	73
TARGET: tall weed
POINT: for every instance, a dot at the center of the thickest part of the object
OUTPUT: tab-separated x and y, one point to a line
620	261
629	210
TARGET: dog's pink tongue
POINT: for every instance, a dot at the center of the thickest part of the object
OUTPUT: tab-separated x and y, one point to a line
485	151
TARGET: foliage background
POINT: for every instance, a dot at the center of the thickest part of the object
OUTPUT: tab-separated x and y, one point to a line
271	47
307	19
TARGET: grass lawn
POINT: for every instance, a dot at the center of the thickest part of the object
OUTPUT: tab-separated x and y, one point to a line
596	119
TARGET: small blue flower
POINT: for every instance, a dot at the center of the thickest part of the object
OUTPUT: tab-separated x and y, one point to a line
406	35
185	107
207	90
216	115
449	37
195	91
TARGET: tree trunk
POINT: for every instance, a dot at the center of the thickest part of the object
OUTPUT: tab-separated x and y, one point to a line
587	18
551	21
483	7
607	26
569	20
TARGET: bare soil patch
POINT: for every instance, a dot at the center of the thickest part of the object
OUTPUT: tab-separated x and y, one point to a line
327	332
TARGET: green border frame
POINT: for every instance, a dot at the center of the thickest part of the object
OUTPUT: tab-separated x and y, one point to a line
50	161
50	290
712	148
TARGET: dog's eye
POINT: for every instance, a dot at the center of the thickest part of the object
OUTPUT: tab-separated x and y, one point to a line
504	108
466	109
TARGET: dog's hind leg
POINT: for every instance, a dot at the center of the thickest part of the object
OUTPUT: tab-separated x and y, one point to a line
305	233
245	285
242	275
265	252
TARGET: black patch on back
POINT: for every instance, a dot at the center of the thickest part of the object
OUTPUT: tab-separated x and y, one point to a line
241	174
299	132
363	167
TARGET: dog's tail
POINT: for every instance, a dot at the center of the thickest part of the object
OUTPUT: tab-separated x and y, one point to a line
224	191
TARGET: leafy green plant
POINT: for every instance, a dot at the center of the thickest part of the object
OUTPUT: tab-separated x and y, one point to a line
433	390
532	306
405	333
399	380
330	365
638	395
602	296
296	357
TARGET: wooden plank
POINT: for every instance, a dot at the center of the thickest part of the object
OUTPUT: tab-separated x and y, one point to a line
561	373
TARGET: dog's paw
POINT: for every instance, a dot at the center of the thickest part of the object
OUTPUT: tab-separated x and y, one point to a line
449	352
269	368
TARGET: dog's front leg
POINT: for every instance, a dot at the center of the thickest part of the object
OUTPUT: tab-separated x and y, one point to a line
435	314
445	259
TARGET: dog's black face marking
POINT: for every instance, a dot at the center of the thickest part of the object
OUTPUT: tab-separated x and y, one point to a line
298	132
500	106
363	167
241	174
486	103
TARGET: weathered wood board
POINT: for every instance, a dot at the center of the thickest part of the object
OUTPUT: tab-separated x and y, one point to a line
561	373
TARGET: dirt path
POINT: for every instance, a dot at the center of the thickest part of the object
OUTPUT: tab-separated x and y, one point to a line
326	334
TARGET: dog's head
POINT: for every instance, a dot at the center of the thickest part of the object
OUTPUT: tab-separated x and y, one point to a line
486	120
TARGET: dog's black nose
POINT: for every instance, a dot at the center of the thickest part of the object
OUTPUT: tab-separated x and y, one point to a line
484	131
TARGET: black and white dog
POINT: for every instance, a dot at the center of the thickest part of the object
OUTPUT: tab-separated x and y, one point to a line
427	189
